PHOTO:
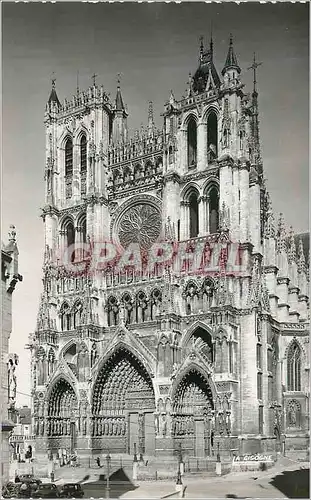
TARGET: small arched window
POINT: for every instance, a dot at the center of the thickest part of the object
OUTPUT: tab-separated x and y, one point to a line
213	210
68	158
294	368
192	143
194	215
83	160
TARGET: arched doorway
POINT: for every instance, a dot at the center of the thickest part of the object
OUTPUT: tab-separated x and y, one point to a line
123	406
61	420
192	414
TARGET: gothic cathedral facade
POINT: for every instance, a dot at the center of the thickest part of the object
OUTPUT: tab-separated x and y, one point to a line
167	357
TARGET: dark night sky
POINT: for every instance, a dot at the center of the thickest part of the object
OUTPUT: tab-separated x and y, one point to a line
154	46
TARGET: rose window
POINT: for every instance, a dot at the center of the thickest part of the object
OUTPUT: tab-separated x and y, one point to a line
140	224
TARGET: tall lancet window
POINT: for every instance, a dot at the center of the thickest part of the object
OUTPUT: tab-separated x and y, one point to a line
213	210
212	136
294	368
68	167
68	158
194	215
83	164
83	154
192	143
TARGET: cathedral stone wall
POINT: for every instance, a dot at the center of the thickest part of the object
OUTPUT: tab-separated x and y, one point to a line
137	353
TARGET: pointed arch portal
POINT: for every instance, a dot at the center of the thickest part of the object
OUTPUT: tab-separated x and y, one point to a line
193	413
123	406
61	422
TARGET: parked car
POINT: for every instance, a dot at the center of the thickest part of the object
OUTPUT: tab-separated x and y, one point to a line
71	490
46	490
29	478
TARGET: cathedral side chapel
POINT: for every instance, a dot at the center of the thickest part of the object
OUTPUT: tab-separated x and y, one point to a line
167	359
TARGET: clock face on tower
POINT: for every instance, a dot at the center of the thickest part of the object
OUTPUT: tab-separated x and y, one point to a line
140	224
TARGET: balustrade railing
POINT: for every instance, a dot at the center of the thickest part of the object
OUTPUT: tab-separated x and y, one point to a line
134	148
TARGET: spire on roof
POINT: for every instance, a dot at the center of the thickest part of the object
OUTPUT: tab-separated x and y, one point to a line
231	60
270	222
292	246
150	118
301	257
53	95
119	101
201	48
206	70
281	235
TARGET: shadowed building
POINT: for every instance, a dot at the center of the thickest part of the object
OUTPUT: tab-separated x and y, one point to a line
168	355
9	278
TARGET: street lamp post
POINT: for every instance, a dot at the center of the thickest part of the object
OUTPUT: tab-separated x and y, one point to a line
218	454
108	460
135	453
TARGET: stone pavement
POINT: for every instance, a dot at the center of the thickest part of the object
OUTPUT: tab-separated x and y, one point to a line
252	484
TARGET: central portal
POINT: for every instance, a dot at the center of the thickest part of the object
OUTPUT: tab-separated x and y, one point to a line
123	400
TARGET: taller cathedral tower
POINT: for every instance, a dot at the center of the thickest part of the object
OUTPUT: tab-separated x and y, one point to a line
166	356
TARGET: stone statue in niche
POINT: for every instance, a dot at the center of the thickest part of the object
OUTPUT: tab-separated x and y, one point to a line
12	363
163	425
156	424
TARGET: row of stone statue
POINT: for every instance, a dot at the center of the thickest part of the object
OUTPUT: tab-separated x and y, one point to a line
58	427
183	425
108	427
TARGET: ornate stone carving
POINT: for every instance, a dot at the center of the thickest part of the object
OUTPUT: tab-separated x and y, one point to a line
140	224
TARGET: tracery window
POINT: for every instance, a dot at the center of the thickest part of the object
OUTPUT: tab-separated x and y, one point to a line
65	318
294	368
192	142
113	311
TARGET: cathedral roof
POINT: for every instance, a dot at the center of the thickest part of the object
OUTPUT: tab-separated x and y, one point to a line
206	70
231	60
